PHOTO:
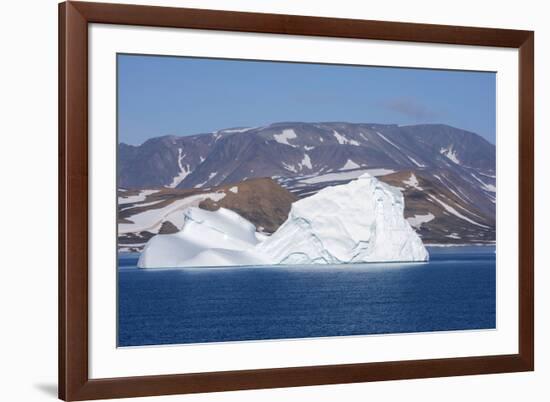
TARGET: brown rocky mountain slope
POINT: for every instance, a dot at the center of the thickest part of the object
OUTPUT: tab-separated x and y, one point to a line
145	213
262	201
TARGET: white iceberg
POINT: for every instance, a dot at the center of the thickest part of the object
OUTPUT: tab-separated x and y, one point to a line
361	221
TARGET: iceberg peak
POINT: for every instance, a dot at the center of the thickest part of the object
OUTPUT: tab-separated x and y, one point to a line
361	221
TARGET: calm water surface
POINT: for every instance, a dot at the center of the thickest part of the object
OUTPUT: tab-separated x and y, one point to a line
454	291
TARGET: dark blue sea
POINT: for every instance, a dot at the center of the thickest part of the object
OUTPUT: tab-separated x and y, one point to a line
455	290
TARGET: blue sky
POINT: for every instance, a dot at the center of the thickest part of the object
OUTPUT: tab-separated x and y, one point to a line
183	96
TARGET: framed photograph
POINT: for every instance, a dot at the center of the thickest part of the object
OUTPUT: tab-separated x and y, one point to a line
259	200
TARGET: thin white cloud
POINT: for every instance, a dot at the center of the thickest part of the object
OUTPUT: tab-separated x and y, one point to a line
411	108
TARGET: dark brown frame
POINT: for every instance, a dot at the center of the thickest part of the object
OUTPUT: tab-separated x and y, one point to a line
74	382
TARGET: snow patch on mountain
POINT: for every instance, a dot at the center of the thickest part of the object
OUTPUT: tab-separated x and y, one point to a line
449	187
416	221
454	212
306	161
387	140
141	196
342	140
450	153
345	175
485	186
412	181
287	166
465	210
286	135
236	130
349	165
140	205
361	221
183	171
234	189
151	220
415	162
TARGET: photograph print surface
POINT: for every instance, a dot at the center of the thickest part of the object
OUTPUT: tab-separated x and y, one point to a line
262	200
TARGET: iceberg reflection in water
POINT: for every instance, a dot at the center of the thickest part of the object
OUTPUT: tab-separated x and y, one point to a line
455	290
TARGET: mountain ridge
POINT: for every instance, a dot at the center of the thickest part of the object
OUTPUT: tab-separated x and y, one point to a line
283	149
304	122
454	169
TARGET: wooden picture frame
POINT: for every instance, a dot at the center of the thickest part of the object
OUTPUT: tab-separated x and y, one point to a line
74	381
